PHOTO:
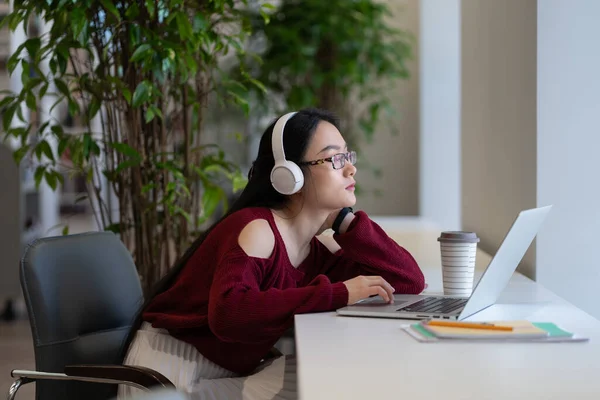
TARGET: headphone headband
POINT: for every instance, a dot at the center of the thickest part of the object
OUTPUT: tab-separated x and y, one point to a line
286	177
277	137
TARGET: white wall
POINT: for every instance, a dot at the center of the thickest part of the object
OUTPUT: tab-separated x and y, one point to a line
397	155
440	149
498	118
568	145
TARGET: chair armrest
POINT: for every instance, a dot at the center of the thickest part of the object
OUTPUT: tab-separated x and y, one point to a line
140	376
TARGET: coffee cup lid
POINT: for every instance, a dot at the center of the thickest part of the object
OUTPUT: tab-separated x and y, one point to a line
458	237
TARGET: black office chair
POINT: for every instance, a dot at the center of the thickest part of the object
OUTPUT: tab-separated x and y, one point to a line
82	293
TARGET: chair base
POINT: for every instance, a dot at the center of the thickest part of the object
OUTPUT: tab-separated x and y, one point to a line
12	391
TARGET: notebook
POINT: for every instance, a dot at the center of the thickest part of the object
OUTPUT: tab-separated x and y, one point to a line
523	331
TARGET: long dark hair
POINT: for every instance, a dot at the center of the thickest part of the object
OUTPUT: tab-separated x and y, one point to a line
259	192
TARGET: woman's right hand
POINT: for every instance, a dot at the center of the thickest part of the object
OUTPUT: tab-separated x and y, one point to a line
361	287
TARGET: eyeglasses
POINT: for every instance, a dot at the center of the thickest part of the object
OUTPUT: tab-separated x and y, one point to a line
338	160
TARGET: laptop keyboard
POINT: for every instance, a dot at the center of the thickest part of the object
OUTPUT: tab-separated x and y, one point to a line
435	305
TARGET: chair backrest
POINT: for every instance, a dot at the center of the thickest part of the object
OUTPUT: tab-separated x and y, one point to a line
82	293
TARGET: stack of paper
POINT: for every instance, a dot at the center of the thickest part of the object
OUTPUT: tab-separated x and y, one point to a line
511	331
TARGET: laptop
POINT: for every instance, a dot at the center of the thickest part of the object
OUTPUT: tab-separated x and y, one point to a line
486	292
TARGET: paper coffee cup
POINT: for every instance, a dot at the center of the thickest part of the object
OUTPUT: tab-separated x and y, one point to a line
459	250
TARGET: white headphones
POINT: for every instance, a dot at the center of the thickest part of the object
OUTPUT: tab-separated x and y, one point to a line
286	176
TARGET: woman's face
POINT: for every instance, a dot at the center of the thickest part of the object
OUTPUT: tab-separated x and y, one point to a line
324	186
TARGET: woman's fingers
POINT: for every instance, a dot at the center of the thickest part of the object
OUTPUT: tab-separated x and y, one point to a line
362	287
378	290
377	280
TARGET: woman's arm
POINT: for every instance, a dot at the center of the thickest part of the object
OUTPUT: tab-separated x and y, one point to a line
365	249
239	310
254	300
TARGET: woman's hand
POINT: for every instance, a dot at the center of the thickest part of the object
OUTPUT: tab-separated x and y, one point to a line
361	287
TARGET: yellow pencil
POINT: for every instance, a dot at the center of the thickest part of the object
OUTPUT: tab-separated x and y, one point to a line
469	325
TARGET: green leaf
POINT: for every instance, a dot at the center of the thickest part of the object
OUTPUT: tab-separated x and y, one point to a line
149	115
126	150
200	22
127	164
95	149
133	11
51	179
62	145
115	228
126	95
93	108
13	61
63	49
150	7
59	177
44	89
20	153
73	107
268	6
183	25
38	175
62	87
140	52
65	230
110	7
265	16
52	64
239	182
8	99
45	149
180	211
20	114
210	199
57	130
25	72
33	46
8	116
240	101
152	112
258	85
17	132
30	101
141	94
148	187
62	64
80	198
87	145
14	22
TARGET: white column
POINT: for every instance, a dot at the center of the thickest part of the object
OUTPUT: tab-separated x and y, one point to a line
498	118
567	145
439	55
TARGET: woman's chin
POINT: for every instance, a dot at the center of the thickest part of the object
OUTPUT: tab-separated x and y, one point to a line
351	200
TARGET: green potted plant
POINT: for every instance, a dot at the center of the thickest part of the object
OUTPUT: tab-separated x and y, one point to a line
338	55
138	75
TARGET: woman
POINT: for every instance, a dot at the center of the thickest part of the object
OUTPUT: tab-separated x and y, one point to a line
211	326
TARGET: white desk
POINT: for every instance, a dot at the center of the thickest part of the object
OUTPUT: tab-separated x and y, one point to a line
370	358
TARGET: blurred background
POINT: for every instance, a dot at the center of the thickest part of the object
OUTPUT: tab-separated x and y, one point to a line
463	113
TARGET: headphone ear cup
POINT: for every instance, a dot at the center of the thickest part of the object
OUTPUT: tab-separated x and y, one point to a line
287	177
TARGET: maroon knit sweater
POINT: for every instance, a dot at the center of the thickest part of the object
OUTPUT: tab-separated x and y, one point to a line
233	307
